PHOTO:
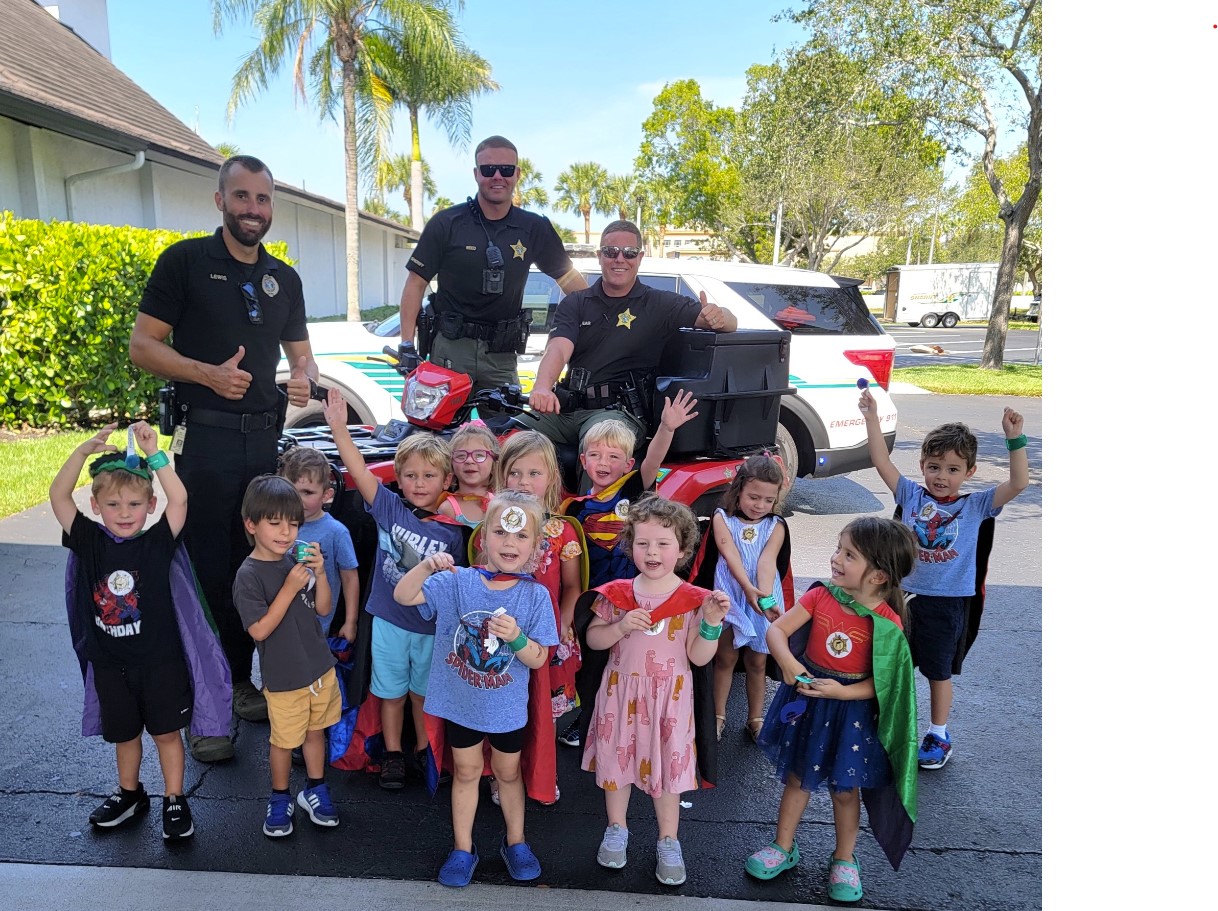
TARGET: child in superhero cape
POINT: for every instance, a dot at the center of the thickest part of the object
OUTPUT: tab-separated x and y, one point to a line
747	554
149	659
474	450
642	729
529	464
494	627
845	715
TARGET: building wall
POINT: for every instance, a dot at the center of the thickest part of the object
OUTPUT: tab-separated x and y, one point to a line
35	165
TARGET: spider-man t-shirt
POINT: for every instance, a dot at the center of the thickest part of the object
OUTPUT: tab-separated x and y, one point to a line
122	593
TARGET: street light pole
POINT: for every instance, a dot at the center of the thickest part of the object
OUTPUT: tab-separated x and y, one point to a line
777	232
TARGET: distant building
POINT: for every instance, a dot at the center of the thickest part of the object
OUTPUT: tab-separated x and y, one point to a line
79	141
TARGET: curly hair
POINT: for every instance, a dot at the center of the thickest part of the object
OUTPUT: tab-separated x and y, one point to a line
652	507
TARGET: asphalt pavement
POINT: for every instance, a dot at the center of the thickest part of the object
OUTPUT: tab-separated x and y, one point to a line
977	844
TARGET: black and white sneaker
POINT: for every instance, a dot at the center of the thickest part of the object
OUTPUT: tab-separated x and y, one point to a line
119	808
176	821
570	736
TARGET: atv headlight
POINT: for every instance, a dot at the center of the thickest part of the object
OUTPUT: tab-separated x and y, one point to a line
422	399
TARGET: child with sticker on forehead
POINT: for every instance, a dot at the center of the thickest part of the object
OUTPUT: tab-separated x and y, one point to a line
474	452
494	625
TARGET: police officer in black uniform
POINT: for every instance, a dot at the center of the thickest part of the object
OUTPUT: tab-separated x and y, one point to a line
481	251
231	307
611	337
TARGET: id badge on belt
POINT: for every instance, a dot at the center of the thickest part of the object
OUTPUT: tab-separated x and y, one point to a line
179	439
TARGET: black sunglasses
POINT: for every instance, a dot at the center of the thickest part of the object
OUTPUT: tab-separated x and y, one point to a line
488	170
253	307
612	252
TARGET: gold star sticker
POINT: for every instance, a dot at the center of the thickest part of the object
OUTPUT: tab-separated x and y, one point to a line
625	318
518	250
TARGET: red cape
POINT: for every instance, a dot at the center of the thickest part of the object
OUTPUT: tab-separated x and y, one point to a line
687	598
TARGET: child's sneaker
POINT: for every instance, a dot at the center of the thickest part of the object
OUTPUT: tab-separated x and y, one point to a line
612	852
935	751
570	736
118	808
316	802
278	816
393	771
176	821
670	865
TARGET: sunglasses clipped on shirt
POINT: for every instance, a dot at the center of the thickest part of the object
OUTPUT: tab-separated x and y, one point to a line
488	170
477	455
253	307
612	252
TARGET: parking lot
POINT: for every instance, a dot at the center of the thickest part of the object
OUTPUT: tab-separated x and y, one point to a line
962	345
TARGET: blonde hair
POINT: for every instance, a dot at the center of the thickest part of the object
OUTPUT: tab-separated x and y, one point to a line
610	433
530	442
478	431
105	482
433	450
502	501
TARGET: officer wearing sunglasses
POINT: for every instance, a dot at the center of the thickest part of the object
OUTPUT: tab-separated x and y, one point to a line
610	338
480	252
231	307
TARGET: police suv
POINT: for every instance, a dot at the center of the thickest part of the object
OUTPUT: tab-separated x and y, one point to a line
835	342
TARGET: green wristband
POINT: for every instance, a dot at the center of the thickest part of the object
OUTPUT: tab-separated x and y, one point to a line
767	602
708	632
1018	442
157	460
519	642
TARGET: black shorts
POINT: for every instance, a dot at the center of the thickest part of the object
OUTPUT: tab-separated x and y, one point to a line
135	698
936	628
460	737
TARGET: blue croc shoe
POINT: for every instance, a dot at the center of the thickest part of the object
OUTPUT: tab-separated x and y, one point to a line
845	884
522	863
458	870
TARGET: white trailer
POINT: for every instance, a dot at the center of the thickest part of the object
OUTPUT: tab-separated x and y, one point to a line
941	294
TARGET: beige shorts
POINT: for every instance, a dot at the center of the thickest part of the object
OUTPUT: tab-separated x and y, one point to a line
293	713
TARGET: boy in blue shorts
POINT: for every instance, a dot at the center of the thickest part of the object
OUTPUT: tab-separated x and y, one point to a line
947	525
279	595
406	532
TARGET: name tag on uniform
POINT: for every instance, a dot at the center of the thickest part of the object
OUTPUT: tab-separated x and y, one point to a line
179	439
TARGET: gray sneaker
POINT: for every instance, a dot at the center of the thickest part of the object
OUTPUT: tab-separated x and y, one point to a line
612	852
670	865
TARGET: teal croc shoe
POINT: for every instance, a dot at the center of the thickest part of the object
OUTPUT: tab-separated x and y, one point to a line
845	885
771	860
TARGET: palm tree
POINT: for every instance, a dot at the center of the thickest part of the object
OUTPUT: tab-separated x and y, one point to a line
377	206
329	40
228	149
581	188
441	78
529	190
620	192
393	174
440	203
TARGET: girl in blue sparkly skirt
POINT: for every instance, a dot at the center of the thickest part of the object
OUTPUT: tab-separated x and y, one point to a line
845	715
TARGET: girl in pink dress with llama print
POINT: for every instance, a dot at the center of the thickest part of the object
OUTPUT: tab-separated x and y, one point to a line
655	627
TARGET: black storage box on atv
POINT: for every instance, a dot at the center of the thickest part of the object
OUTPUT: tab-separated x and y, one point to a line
738	379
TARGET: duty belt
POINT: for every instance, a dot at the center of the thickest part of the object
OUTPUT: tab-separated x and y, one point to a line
246	423
601	395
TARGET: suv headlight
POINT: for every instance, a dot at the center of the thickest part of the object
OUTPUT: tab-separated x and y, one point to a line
422	399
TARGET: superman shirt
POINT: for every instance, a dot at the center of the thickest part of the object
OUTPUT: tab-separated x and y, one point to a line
603	516
123	594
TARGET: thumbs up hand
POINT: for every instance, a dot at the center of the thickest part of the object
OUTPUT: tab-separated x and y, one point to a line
300	385
228	379
712	315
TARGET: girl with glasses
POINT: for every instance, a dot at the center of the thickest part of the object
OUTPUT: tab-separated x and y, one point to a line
475	450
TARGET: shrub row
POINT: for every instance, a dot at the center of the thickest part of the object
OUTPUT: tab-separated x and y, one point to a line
69	294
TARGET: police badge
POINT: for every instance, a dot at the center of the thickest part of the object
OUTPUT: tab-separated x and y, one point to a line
270	286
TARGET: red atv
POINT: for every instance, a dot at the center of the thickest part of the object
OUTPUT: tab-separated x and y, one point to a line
737	378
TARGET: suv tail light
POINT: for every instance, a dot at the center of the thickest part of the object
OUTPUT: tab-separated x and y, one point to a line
878	362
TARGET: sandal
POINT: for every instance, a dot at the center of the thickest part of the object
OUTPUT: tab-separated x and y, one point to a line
753	728
720	721
458	870
845	885
771	860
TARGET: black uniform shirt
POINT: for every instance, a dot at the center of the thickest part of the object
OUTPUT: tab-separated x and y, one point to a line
615	335
195	287
453	246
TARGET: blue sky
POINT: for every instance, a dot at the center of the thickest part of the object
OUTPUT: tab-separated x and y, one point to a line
577	79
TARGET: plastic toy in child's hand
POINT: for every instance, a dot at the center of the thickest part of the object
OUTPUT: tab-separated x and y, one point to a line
804	679
492	641
300	550
793	709
862	382
133	457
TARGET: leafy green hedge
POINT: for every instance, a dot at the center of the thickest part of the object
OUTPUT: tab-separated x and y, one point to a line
69	294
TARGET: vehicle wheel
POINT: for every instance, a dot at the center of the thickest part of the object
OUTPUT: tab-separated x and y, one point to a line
790	454
949	320
310	415
929	321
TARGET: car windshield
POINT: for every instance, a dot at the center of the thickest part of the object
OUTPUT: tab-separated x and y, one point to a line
388	327
811	311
